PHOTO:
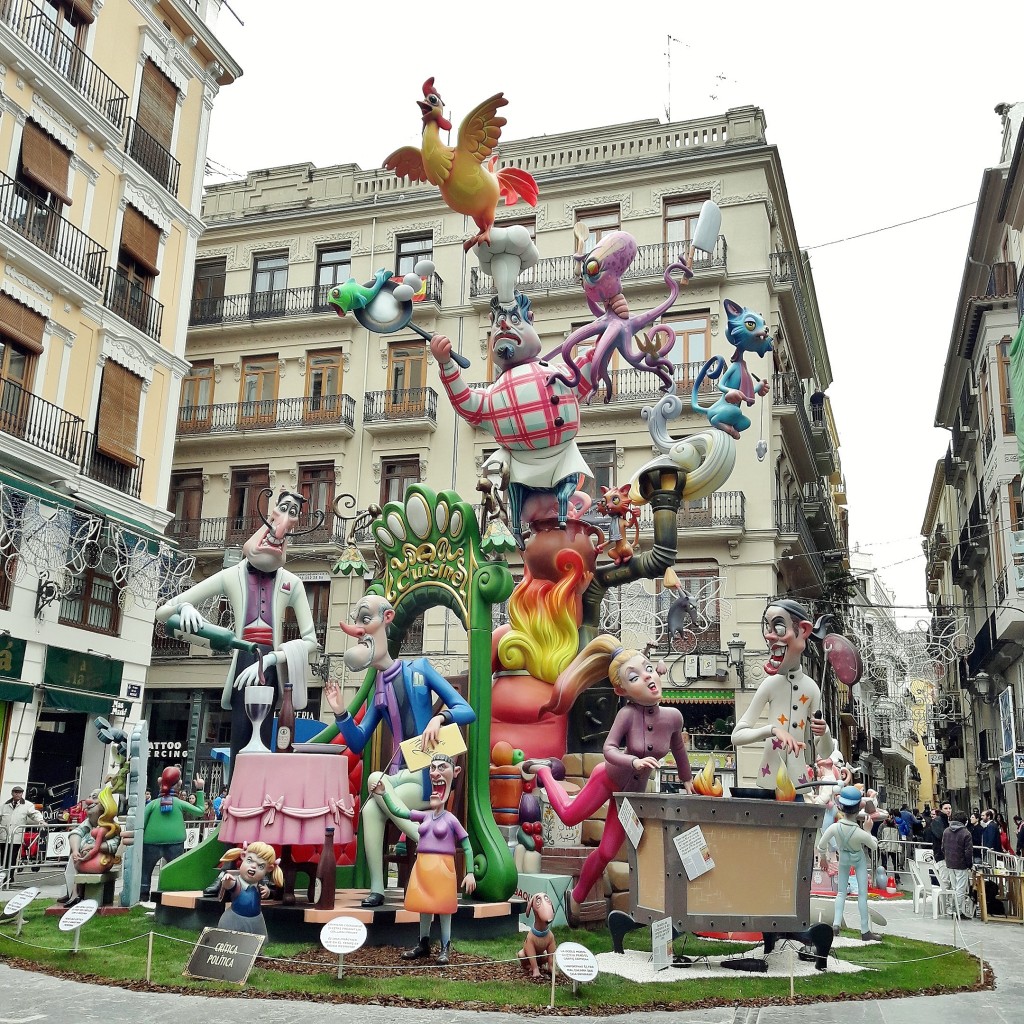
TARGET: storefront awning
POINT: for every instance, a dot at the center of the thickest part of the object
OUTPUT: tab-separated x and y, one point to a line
80	682
699	696
77	700
12	689
12	660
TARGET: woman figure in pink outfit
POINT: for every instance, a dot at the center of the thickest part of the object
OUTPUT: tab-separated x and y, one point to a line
641	735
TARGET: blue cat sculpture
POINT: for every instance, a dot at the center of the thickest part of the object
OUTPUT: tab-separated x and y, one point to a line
748	332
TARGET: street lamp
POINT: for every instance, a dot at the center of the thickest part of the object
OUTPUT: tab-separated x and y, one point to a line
736	648
983	687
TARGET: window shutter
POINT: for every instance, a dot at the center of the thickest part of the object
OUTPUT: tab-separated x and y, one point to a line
45	162
21	324
141	238
117	425
83	8
158	98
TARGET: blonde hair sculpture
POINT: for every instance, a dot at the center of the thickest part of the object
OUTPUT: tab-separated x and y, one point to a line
265	852
603	657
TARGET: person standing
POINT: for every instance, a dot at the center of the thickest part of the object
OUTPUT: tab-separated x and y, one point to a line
976	829
1019	823
936	828
990	832
889	843
16	814
958	852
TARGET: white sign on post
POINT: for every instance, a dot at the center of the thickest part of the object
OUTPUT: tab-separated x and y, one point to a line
576	962
342	935
630	822
16	904
77	915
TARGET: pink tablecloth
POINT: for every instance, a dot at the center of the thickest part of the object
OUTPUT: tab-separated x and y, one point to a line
287	798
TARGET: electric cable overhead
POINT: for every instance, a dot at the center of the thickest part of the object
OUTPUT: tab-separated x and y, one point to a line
890	227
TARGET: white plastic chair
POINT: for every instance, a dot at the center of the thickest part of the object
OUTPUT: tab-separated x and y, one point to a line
924	888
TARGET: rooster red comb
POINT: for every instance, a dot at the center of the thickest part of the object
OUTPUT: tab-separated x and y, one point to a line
428	86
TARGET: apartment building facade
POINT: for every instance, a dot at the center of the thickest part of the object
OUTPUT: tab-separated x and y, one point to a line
104	119
974	521
282	391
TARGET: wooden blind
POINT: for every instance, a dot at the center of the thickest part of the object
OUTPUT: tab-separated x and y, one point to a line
45	162
141	238
158	97
21	324
117	425
83	8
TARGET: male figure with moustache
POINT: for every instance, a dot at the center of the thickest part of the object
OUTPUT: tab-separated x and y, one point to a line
790	699
259	590
403	700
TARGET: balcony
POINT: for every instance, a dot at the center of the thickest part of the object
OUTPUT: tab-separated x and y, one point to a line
400	409
968	404
788	404
39	33
105	470
822	516
560	273
151	156
634	387
988	438
273	414
806	561
724	512
785	280
39	423
955	469
252	306
232	531
825	456
126	297
31	218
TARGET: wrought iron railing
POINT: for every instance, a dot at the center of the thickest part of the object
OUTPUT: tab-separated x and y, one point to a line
988	438
1009	420
232	531
719	510
790	519
31	218
280	303
130	302
33	27
271	414
784	269
105	470
1000	585
151	156
400	404
556	272
39	423
787	390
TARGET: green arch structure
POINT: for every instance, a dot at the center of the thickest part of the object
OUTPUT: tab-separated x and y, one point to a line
433	557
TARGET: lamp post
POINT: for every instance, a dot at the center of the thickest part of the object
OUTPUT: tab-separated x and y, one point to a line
736	648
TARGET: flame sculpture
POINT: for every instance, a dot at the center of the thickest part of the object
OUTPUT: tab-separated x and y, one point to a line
545	619
705	784
784	788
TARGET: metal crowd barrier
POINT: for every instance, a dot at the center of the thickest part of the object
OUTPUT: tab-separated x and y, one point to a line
33	848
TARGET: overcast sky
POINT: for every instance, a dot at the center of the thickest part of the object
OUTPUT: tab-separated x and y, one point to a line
882	113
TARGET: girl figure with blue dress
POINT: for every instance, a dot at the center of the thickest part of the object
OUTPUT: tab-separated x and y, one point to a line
245	887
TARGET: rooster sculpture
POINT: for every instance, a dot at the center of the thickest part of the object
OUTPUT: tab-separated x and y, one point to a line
466	174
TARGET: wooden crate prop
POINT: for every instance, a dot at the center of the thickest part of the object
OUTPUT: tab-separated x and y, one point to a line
764	859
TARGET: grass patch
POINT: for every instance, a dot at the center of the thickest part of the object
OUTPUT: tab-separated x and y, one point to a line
475	981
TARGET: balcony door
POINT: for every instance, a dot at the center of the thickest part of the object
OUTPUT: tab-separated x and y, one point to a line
244	501
316	485
269	284
18	354
195	412
323	385
185	500
257	402
407	366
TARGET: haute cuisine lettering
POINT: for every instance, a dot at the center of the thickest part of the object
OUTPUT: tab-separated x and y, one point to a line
430	563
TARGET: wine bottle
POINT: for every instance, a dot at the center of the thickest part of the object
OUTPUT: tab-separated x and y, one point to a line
286	722
216	638
325	874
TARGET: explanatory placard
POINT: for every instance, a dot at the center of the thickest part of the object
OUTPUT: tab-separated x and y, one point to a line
221	955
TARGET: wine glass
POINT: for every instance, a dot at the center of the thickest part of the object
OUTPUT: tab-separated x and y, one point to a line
258	702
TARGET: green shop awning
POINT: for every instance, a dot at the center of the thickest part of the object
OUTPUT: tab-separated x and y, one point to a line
12	659
80	682
700	696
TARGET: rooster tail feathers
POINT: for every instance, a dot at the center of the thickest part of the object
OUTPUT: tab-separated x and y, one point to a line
515	183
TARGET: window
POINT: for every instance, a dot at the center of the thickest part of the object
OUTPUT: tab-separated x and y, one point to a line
1005	397
395	477
333	266
149	142
208	291
58	28
407	364
269	284
599	222
21	337
185	500
257	402
117	422
323	385
601	460
410	250
680	219
196	409
132	281
316	485
691	350
244	498
91	603
42	191
1016	505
